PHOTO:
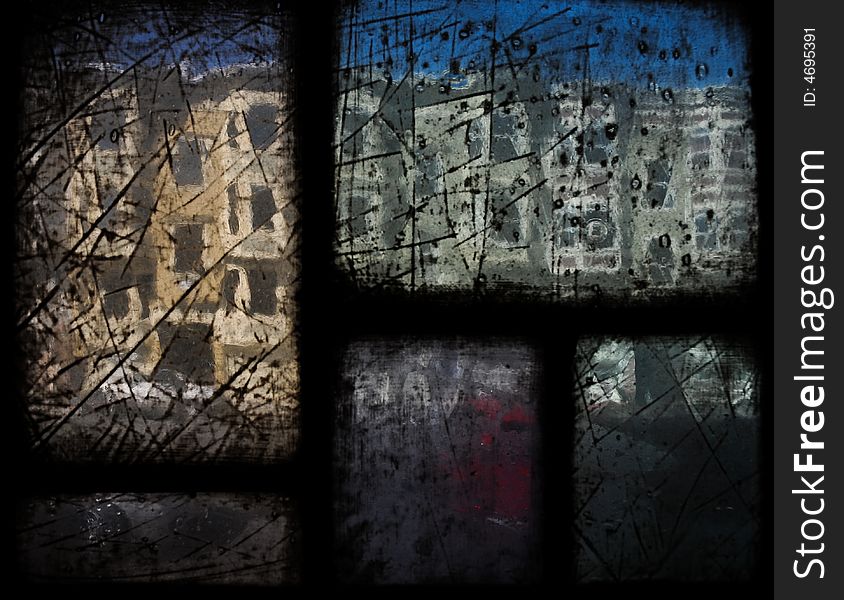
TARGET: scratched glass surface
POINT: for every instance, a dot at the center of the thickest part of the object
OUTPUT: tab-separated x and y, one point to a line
213	538
436	463
567	150
157	238
666	460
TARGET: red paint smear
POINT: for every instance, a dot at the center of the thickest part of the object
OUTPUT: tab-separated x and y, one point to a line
512	489
517	415
499	489
487	405
494	473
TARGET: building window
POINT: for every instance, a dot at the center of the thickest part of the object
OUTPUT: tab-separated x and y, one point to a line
187	163
263	208
234	219
188	246
262	287
262	126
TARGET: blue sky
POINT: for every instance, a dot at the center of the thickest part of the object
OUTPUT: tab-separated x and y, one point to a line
208	41
679	45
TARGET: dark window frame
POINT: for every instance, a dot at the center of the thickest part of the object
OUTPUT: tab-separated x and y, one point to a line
331	314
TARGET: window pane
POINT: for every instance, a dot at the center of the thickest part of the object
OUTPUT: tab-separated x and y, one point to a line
566	150
154	325
436	463
216	538
666	459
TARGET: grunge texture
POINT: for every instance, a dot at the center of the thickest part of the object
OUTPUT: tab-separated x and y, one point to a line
157	246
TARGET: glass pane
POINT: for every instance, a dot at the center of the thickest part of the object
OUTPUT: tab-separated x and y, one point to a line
666	467
566	150
436	463
154	325
217	538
